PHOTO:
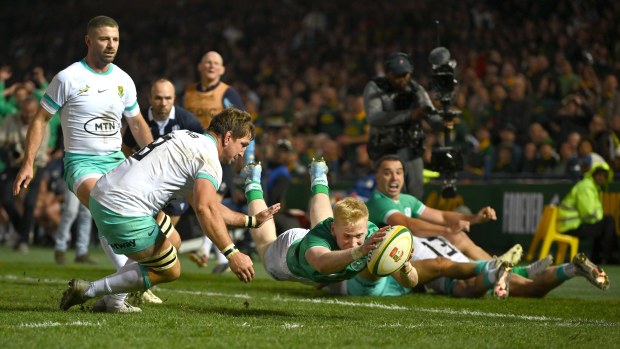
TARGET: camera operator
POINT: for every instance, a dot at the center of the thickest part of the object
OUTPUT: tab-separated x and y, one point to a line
395	108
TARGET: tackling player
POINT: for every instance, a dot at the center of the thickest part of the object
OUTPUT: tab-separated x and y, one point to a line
180	164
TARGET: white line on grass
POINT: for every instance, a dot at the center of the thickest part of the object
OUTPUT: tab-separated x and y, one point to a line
560	321
57	324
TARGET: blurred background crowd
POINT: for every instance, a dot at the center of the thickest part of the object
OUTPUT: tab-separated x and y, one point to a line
538	79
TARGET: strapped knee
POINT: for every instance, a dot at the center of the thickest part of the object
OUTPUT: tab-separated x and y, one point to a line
162	261
165	225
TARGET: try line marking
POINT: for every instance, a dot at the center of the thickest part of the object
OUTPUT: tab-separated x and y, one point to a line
349	303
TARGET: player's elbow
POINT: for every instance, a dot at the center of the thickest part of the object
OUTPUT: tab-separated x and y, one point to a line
204	209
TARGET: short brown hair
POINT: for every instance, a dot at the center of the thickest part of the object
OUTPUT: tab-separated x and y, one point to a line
235	120
389	157
100	21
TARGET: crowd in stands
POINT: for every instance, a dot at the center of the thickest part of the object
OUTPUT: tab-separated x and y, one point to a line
538	80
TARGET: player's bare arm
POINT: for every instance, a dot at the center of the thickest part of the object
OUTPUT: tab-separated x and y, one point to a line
239	220
212	223
140	130
36	131
417	226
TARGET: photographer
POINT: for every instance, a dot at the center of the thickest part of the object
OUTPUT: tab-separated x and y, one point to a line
395	107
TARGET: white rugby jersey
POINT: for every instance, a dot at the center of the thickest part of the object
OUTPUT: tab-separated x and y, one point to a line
163	170
91	107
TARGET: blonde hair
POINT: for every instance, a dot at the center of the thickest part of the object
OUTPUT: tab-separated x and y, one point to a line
350	211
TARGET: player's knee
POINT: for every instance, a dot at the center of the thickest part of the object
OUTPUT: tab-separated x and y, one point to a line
442	264
165	264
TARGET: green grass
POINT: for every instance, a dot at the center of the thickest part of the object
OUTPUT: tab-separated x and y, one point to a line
201	310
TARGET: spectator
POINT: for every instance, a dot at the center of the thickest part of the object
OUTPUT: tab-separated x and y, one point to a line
73	211
13	141
278	178
481	157
609	103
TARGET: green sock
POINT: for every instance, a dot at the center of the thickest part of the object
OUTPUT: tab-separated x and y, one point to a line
253	191
520	271
565	271
320	188
480	266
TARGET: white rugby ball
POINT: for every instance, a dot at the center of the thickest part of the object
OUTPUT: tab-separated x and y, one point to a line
392	252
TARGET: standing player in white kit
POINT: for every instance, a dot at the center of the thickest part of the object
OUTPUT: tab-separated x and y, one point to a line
92	96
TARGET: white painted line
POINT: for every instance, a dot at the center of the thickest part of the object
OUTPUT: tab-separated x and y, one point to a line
568	322
57	324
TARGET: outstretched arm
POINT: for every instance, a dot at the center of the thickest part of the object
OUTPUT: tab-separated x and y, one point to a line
212	223
239	220
326	261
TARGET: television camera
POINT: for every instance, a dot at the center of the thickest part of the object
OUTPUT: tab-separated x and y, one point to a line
446	160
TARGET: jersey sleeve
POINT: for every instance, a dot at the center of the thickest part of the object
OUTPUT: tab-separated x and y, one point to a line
380	208
56	94
211	171
130	98
417	207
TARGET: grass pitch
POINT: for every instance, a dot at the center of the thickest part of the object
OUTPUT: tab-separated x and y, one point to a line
202	310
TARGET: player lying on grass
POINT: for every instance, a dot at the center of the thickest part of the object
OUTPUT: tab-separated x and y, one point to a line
535	280
180	164
388	206
336	248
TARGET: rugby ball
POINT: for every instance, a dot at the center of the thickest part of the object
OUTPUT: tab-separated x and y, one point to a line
392	252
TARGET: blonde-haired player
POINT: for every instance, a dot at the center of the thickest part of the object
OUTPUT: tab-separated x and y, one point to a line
334	249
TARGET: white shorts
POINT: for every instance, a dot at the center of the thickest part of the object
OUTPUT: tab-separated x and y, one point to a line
275	256
430	248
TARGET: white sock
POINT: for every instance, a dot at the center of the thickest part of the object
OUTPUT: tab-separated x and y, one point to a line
127	279
206	245
221	259
118	260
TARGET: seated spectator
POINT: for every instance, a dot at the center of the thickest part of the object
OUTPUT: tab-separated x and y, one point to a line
530	158
278	179
587	156
503	161
21	209
569	162
548	159
480	158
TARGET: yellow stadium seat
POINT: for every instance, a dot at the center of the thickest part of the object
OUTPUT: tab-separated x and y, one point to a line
547	233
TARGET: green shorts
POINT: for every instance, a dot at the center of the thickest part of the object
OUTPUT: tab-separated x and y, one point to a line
385	286
79	167
126	235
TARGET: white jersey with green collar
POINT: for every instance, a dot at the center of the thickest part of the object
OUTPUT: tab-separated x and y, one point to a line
163	170
91	107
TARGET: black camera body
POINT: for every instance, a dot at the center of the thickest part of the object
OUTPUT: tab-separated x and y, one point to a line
448	161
